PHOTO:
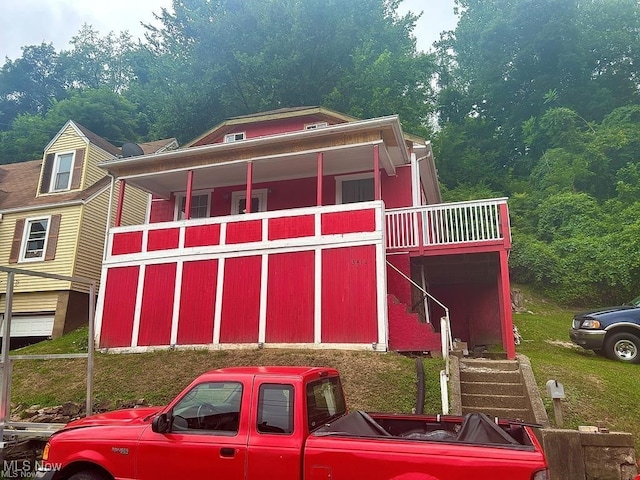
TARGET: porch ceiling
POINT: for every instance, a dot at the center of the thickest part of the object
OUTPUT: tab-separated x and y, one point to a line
336	161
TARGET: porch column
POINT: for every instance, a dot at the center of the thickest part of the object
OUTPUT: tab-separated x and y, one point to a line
118	221
376	172
504	295
249	185
319	186
187	200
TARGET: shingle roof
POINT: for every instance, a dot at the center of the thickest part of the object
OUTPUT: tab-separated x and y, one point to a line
19	184
158	145
98	141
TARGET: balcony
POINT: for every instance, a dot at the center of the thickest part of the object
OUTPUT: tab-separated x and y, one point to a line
433	229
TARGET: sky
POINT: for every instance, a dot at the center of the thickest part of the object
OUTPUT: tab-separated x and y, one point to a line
31	22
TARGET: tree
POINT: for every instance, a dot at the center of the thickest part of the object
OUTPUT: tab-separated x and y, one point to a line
29	84
226	58
103	112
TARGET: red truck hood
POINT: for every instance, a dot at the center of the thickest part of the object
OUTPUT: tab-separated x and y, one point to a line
132	416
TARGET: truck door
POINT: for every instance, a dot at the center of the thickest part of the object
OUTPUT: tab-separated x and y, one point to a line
207	437
275	433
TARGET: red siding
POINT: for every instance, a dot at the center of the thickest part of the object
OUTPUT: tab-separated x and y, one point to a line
243	232
349	222
396	190
119	307
291	227
126	242
197	301
241	300
349	307
157	304
290	298
202	235
161	210
396	284
264	128
163	239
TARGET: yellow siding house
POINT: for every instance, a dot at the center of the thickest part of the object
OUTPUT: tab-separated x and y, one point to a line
53	219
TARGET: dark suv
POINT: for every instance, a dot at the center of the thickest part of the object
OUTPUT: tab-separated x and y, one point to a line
613	331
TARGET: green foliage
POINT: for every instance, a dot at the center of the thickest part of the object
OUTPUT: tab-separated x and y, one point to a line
103	112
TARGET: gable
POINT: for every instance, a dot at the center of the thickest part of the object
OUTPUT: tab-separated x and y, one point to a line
271	123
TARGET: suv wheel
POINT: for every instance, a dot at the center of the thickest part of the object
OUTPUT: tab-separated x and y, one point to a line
624	347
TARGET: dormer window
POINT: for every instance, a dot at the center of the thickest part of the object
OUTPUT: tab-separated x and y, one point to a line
61	172
234	137
314	126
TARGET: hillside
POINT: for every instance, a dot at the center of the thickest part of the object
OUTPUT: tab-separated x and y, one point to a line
373	382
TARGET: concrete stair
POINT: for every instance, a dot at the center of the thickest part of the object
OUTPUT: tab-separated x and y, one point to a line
406	332
494	387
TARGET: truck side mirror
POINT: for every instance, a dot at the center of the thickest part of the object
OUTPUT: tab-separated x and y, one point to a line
160	423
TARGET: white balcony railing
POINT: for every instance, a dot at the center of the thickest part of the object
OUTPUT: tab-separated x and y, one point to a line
447	224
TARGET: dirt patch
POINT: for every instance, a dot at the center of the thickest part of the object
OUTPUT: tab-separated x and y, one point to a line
563	344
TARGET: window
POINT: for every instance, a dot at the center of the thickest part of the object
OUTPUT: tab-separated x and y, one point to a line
200	206
258	201
355	188
275	409
324	401
234	137
35	239
209	407
314	126
61	173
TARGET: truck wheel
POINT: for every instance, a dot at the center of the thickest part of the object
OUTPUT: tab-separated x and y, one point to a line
87	476
624	347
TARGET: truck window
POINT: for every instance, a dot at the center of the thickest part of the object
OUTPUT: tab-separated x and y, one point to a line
324	401
211	407
275	408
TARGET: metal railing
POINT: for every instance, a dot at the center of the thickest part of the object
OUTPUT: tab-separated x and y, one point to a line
447	341
7	360
446	224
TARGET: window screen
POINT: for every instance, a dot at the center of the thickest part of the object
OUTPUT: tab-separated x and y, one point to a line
360	190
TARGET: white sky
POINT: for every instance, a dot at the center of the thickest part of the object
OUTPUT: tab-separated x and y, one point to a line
31	22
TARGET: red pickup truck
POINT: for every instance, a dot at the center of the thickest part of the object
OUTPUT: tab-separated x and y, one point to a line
286	423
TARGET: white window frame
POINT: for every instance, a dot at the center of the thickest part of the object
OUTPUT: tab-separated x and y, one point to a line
316	125
345	178
260	194
233	137
180	196
56	166
25	237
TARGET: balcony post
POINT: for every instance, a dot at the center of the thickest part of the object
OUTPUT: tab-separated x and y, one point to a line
376	172
187	200
319	184
504	296
249	186
505	225
118	221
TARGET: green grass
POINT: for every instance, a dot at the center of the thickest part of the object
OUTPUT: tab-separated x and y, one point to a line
373	382
598	391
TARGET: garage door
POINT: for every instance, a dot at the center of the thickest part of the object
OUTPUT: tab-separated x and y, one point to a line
30	325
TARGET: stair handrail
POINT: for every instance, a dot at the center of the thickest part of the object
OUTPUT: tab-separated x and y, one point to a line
445	335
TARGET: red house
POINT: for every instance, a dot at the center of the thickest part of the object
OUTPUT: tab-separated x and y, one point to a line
344	232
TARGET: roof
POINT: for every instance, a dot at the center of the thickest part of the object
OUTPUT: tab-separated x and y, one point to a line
19	184
320	113
159	146
98	141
